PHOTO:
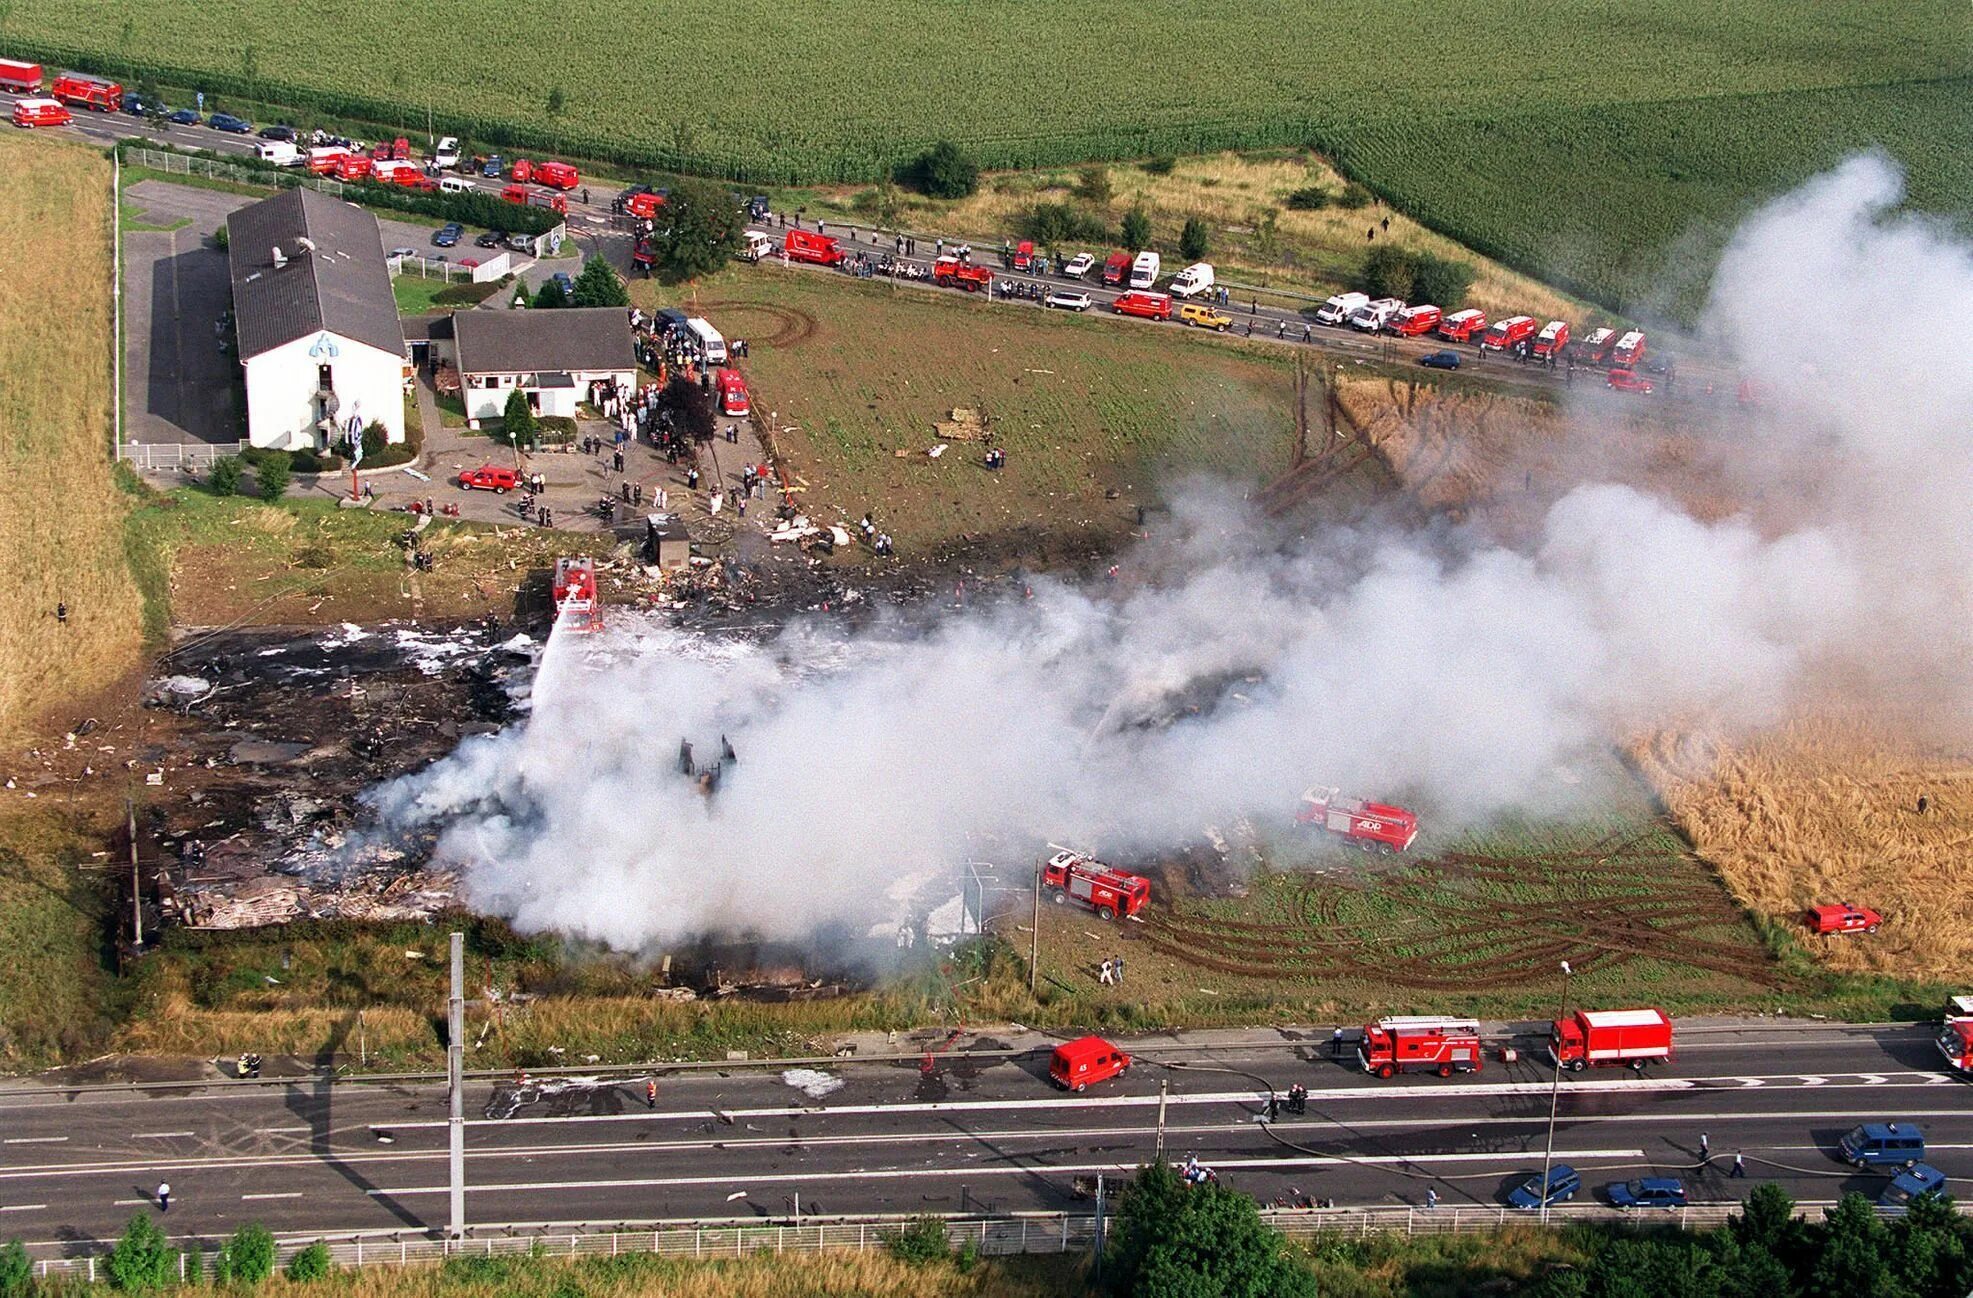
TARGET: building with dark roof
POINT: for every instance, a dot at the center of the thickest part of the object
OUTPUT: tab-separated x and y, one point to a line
316	321
552	355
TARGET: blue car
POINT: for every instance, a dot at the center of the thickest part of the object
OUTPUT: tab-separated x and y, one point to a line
1649	1192
1921	1178
568	285
187	117
230	124
1440	360
138	106
1563	1183
448	235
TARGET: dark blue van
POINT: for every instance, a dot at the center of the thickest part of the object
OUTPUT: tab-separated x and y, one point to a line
1883	1144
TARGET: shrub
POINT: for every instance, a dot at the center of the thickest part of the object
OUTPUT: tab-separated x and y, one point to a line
16	1271
942	171
550	296
312	1263
1093	185
1312	199
1441	280
273	475
1161	165
375	438
1054	224
1356	196
143	1260
1390	272
224	478
517	420
1193	240
1137	230
247	1258
920	1241
222	238
464	294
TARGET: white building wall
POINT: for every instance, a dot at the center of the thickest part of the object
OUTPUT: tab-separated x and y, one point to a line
484	402
281	386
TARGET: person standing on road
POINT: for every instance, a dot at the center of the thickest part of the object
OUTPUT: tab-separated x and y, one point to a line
1705	1149
1336	1044
651	1093
164	1196
1431	1198
1739	1164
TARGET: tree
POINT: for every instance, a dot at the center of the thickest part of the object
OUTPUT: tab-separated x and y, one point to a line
702	230
16	1271
1851	1262
1093	185
143	1260
224	478
1136	230
1193	240
943	171
1177	1241
311	1263
550	295
1669	1266
558	100
599	285
1392	272
1440	280
691	409
273	474
247	1258
375	438
1929	1247
517	420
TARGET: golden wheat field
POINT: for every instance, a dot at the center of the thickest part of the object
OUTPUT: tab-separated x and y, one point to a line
1827	810
61	535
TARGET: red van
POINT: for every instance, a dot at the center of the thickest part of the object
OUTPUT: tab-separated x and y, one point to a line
1078	1063
1117	269
1152	306
556	175
733	400
40	112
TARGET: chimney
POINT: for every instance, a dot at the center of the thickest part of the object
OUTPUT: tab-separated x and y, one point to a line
304	243
279	259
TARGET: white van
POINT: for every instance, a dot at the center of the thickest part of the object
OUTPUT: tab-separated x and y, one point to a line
281	153
454	185
447	152
1373	316
710	342
1193	280
1337	310
758	246
1144	271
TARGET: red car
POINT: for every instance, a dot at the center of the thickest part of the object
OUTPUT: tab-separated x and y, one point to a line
1843	918
1630	381
1076	1064
489	477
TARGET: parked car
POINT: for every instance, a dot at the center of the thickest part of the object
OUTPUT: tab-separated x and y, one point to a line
1649	1192
230	124
497	478
1084	1061
1563	1182
1920	1178
1440	360
1066	300
1631	381
403	252
491	239
138	106
1201	316
186	117
278	131
1078	266
521	242
561	277
448	235
1881	1144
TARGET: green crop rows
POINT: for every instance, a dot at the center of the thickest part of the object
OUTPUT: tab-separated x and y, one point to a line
1582	142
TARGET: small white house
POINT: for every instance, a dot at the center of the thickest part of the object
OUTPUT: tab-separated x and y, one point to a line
316	321
552	355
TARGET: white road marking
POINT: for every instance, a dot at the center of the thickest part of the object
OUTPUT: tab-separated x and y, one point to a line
1038	1169
303	1131
33	1140
22	1207
1807	1080
286	1194
125	1203
159	1135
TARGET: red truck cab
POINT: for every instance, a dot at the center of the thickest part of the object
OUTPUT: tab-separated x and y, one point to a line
522	171
1418	1043
497	478
1606	1038
950	270
1956	1034
1629	350
1373	826
354	166
1078	1064
1151	306
805	245
1117	269
1460	326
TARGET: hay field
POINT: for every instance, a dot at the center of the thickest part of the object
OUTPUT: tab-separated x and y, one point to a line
61	536
1826	809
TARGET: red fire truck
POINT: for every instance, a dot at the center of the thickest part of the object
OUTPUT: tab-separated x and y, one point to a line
1629	350
354	166
1460	326
526	197
805	245
1108	892
576	606
17	78
79	91
1416	321
952	271
644	206
1596	347
556	175
1415	1043
398	150
1116	269
1372	826
1956	1034
1606	1037
733	399
1505	334
1553	338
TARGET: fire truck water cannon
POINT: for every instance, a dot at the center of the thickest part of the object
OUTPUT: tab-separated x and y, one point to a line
1411	1044
1372	826
1108	892
576	605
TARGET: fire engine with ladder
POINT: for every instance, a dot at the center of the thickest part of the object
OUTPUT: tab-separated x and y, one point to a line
1108	892
1417	1043
1372	826
576	605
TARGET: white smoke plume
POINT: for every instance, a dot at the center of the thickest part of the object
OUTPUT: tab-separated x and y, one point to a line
1454	672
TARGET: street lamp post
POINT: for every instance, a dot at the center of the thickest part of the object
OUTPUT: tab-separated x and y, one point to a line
1554	1093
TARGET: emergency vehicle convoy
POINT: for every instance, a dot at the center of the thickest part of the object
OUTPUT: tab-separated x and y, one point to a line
1110	893
1420	1043
1605	1038
1372	826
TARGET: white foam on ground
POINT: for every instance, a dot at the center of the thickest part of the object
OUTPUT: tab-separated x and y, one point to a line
812	1082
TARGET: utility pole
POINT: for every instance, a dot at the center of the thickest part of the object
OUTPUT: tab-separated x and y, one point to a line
136	884
455	1067
1554	1095
116	308
1099	1228
1164	1091
1034	933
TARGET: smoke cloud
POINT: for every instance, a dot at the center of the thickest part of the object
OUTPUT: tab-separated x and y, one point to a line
1456	673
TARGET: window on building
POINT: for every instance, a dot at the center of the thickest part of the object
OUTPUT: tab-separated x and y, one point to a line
325	377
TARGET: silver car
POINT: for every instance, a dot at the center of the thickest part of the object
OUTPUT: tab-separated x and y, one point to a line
1067	301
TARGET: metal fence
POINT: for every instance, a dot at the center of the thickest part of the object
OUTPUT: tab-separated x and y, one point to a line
179	164
175	457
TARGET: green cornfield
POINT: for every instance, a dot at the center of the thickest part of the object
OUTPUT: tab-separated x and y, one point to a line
1576	141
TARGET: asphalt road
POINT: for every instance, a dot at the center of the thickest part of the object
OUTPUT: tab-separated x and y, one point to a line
977	1134
1700	380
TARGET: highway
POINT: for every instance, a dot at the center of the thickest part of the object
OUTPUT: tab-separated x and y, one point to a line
980	1133
1700	379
